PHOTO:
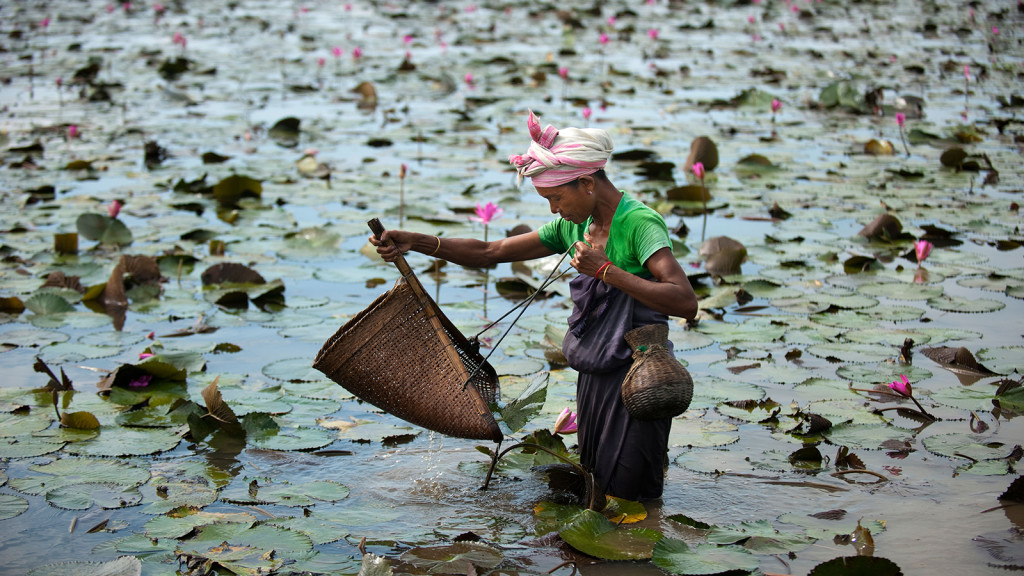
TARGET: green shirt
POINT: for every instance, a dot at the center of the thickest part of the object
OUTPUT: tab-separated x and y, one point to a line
636	233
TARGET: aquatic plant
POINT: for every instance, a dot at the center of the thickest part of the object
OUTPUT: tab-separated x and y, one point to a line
566	422
901	120
486	213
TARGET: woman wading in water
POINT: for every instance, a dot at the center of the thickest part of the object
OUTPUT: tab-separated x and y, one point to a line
627	278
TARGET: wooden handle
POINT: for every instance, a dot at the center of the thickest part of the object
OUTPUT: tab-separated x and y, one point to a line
429	307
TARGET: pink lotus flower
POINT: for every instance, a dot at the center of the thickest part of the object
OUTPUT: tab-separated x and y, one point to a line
110	8
698	169
73	132
967	73
901	119
357	53
586	113
114	208
321	61
563	72
922	248
751	19
566	422
179	38
902	386
469	79
45	22
776	105
652	33
611	20
337	51
59	81
407	39
145	355
603	39
484	214
159	8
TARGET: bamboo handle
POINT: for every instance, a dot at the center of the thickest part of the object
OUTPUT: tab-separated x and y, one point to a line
428	305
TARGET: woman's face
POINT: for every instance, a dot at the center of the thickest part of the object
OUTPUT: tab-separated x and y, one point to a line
571	201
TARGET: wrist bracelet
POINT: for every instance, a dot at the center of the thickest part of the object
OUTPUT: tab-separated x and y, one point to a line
605	274
438	246
603	268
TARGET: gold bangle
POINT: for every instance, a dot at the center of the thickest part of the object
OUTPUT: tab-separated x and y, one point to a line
438	246
604	274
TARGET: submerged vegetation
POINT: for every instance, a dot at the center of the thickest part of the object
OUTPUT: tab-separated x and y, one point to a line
185	194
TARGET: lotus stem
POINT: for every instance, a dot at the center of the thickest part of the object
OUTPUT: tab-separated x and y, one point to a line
591	493
860	471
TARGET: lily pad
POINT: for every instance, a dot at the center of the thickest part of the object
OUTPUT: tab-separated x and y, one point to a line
453	557
676	557
593	534
11	506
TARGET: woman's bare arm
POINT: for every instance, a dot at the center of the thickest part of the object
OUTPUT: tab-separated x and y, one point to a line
463	251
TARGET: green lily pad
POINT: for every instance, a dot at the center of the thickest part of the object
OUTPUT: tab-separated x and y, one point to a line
965	305
164	495
123	566
11	506
1003	360
319	530
453	558
759	537
24	424
167	526
866	436
72	471
82	496
591	533
676	557
700	433
851	352
120	441
827	525
902	291
970	446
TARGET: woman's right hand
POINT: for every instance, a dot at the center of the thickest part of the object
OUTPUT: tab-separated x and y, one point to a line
400	243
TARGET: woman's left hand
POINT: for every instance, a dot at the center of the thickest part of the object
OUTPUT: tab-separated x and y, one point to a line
589	257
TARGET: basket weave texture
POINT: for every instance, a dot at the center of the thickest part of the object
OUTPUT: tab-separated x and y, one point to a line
394	356
657	385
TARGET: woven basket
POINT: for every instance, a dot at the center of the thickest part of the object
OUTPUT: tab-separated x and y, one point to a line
404	356
656	386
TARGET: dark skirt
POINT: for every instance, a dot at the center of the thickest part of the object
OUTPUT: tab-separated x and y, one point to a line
626	456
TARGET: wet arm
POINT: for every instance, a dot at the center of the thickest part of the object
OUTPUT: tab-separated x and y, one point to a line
671	294
463	251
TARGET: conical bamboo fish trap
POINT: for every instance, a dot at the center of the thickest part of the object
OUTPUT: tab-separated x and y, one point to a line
404	356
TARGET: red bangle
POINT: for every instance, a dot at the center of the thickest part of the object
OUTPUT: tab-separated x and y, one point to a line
603	266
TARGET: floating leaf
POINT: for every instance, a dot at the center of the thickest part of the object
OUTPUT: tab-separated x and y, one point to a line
11	506
123	566
677	557
453	558
79	420
104	229
229	191
593	534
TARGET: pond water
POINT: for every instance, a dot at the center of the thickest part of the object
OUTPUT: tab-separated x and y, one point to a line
816	337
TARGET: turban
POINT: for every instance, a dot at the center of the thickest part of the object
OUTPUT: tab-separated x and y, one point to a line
557	157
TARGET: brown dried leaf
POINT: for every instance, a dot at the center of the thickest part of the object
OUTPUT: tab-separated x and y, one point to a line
959	358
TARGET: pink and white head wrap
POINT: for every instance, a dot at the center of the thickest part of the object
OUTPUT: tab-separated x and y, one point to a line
557	157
